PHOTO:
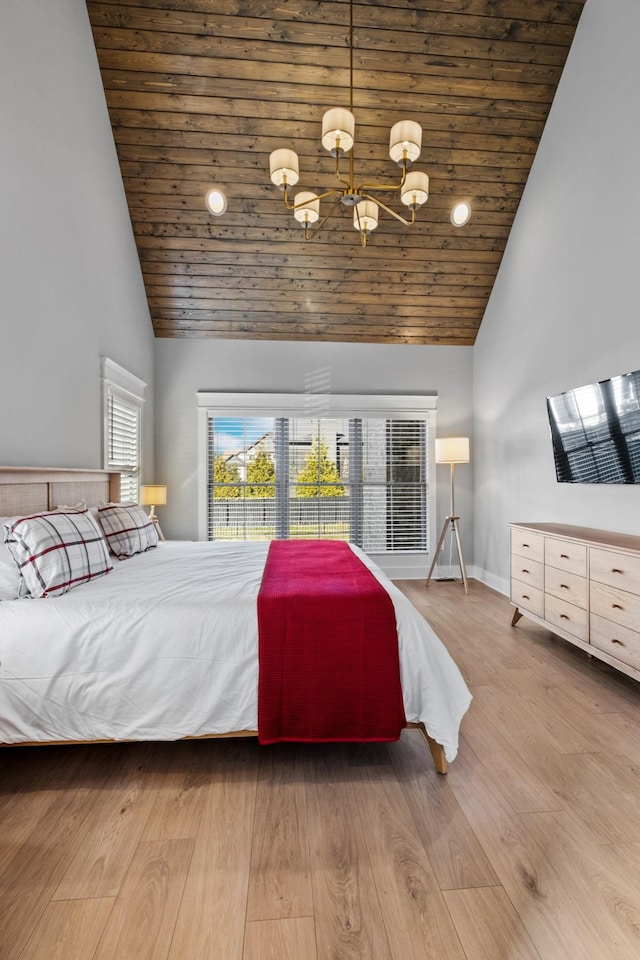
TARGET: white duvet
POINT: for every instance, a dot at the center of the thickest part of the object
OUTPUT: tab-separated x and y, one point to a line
165	647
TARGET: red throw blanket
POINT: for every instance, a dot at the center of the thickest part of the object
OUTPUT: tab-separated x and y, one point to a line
328	648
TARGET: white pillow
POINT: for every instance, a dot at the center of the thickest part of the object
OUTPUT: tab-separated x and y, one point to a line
10	579
56	552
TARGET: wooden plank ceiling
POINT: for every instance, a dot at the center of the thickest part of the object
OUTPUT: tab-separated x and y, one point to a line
201	91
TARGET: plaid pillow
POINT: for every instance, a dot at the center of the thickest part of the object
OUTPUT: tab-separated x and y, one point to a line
57	551
127	529
10	579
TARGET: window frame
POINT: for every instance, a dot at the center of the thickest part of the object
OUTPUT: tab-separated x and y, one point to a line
291	405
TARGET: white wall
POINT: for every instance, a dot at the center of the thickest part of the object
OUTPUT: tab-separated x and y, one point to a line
70	282
564	309
183	367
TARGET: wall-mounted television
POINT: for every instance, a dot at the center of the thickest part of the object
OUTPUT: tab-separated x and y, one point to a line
595	431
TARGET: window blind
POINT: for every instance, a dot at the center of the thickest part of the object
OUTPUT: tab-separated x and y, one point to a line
122	406
348	478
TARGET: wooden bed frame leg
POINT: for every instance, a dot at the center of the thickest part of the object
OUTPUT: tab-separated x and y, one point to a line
437	750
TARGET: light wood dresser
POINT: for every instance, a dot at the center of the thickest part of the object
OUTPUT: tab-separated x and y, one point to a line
582	584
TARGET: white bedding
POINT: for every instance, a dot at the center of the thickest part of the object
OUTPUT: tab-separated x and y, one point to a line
165	647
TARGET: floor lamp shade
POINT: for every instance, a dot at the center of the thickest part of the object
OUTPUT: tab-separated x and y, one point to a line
452	450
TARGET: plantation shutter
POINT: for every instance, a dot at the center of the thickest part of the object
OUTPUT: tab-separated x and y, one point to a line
123	426
123	399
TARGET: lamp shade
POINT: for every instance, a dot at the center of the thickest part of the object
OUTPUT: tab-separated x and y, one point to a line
415	190
338	127
405	141
307	207
365	215
283	166
452	450
153	495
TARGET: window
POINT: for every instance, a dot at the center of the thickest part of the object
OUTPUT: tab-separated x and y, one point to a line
122	398
358	478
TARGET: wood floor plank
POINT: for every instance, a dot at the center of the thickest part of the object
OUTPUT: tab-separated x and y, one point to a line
453	849
180	796
347	910
41	779
211	920
558	923
35	870
69	929
561	723
488	926
142	921
416	919
599	877
290	939
506	752
280	873
118	819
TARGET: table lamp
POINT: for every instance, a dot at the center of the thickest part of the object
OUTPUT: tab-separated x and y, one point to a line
154	495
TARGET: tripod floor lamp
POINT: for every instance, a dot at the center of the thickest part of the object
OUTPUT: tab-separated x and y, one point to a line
451	450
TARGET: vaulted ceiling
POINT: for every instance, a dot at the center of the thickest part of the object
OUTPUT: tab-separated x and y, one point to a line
201	91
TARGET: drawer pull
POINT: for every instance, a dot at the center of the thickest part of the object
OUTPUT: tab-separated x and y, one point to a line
615	640
564	556
617	606
563	616
564	586
615	570
526	545
524	571
525	597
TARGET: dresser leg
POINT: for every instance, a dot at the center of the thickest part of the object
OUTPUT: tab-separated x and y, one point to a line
516	616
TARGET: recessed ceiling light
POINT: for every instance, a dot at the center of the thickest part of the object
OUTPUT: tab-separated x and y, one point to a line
460	214
216	201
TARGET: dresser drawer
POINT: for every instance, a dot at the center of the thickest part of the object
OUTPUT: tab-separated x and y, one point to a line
566	555
527	598
527	571
616	605
619	642
527	544
566	586
566	616
616	569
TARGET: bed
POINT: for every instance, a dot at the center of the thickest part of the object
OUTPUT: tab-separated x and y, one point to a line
164	647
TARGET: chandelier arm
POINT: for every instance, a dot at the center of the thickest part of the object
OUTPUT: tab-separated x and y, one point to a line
385	187
303	203
314	233
407	223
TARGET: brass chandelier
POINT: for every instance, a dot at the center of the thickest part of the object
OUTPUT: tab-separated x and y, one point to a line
338	126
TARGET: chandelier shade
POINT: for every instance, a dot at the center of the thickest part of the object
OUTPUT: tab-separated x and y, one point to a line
405	141
338	138
284	169
415	190
365	216
338	128
307	207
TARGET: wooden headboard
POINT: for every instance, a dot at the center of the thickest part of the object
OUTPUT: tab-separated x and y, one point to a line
25	490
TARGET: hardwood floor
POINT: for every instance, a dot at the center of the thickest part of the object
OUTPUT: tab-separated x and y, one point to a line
529	849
